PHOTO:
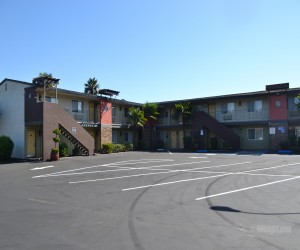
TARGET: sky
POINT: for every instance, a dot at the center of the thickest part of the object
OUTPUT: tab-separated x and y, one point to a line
153	50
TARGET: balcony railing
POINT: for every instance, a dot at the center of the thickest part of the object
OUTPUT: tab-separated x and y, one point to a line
242	115
85	115
232	116
119	119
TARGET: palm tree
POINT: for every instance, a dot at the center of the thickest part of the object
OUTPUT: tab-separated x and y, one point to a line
136	118
184	110
45	74
151	113
91	86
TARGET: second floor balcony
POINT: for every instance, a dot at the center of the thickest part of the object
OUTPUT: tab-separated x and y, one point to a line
85	115
241	115
120	119
229	116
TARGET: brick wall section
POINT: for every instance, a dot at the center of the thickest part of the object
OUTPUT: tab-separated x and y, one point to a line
281	134
106	134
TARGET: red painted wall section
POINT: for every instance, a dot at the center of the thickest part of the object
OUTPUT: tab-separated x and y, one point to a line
105	112
278	107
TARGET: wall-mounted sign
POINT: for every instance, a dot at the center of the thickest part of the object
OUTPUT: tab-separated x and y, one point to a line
272	131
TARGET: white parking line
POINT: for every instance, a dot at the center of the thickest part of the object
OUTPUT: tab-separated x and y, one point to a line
172	182
247	188
207	177
198	157
40	168
67	173
168	171
130	162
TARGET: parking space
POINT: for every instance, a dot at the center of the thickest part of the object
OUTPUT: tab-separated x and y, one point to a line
123	201
199	166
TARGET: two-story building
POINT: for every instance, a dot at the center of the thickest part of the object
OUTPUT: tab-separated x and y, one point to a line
30	112
262	120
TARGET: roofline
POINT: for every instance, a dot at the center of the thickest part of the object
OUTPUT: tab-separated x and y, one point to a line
235	96
201	99
12	80
122	101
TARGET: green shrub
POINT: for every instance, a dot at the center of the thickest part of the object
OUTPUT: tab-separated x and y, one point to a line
107	148
118	148
6	147
54	150
128	146
63	150
56	131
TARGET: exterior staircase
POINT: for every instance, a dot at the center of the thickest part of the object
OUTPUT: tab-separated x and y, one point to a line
73	140
54	116
202	119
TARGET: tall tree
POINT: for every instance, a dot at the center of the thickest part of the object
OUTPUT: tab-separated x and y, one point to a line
136	118
91	86
151	114
183	111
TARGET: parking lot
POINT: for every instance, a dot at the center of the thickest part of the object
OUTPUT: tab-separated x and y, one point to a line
152	201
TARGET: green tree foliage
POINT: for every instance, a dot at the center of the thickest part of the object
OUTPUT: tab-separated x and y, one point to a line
56	139
91	86
6	147
136	118
151	110
183	110
151	114
63	149
45	74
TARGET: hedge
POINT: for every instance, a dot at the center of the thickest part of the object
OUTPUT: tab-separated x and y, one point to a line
6	147
109	148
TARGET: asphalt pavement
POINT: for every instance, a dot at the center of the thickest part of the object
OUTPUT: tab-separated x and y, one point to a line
152	201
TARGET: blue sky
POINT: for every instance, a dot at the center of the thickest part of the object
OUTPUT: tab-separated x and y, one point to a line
155	50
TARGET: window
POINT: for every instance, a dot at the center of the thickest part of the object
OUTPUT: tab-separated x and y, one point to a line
128	137
114	137
292	103
255	106
50	99
77	106
255	134
227	107
113	111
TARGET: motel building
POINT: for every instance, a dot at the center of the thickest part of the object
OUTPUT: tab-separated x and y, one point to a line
266	120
